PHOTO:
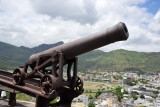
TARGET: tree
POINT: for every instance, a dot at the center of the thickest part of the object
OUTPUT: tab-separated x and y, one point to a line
155	92
98	93
91	104
125	92
103	89
134	93
135	97
117	92
142	96
90	97
158	88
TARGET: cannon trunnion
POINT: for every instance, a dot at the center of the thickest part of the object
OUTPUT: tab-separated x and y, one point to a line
48	66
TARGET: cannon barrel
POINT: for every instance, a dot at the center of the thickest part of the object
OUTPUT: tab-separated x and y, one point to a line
118	32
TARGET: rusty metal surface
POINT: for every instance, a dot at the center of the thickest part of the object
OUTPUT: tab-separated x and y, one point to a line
27	88
9	75
4	88
46	79
12	99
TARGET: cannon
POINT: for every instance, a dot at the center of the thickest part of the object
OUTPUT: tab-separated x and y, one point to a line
48	66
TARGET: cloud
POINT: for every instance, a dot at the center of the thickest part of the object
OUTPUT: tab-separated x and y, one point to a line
82	11
30	23
154	23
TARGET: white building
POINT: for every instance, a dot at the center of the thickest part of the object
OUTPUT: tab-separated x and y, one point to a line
155	83
158	101
130	89
82	98
143	102
3	94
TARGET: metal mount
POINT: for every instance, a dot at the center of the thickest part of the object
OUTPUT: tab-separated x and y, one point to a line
49	70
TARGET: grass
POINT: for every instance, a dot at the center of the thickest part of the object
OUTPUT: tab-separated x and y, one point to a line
94	86
25	97
90	87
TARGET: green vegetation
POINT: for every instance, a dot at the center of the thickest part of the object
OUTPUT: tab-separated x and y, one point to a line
132	82
24	97
118	77
120	60
53	101
143	81
13	56
135	95
90	97
93	89
158	88
142	96
99	92
91	104
117	91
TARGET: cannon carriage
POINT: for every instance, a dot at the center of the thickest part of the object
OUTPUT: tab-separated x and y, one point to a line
47	66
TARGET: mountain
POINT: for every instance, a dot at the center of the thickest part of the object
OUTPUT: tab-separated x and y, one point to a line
119	60
44	47
12	56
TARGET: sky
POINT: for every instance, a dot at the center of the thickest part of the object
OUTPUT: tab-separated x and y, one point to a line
33	22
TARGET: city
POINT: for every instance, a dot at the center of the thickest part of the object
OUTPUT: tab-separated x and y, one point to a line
120	89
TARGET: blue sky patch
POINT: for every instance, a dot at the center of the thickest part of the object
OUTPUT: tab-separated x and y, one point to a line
152	6
2	11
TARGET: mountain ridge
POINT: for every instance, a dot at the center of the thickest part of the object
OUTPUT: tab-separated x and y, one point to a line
117	60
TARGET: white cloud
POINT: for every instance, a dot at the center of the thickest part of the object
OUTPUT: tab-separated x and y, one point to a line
81	10
30	23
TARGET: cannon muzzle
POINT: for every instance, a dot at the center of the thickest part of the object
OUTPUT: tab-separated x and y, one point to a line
118	32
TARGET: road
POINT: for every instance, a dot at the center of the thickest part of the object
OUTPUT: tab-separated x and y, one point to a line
4	103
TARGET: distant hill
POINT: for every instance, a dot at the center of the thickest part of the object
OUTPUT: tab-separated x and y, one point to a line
44	47
119	60
12	56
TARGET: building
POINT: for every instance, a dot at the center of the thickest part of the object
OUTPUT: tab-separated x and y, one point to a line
104	96
144	102
111	100
78	105
155	83
158	101
129	89
126	80
83	99
106	100
89	77
128	102
132	75
106	80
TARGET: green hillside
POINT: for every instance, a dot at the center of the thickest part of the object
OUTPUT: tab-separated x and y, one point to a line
118	60
12	56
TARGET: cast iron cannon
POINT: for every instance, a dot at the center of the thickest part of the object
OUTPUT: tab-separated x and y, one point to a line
48	65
